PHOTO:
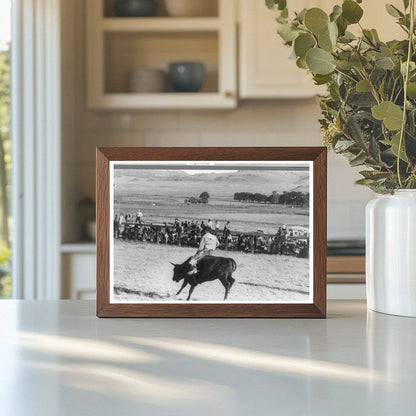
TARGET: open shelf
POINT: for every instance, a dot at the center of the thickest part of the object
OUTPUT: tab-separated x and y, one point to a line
116	46
162	101
127	51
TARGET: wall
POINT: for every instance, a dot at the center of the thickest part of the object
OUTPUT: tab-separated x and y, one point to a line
265	123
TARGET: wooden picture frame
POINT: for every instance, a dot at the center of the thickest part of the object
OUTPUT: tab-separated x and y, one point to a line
316	308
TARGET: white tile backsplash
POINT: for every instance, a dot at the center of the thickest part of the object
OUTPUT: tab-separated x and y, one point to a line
286	123
346	219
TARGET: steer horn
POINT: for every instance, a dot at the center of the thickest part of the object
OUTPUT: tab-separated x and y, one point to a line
173	264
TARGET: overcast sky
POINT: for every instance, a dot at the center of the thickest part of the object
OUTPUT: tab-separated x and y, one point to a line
4	22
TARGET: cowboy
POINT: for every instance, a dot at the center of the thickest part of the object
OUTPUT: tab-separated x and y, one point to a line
121	224
139	217
115	226
209	242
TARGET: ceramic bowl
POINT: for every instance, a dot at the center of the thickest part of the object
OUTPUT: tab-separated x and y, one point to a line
147	80
186	76
136	8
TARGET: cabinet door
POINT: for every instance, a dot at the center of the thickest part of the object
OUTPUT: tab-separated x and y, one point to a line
265	68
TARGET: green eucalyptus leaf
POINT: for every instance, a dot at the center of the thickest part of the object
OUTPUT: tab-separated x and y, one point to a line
385	63
374	175
365	182
368	36
394	144
374	150
377	75
320	61
342	25
282	19
361	99
316	20
363	86
321	79
351	11
354	131
276	4
333	32
343	145
286	32
334	90
411	90
412	67
347	37
343	65
303	43
388	112
301	63
300	17
358	61
393	11
375	35
396	71
405	21
336	12
325	42
358	160
412	124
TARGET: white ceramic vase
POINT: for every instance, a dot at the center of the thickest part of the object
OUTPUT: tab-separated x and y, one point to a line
391	253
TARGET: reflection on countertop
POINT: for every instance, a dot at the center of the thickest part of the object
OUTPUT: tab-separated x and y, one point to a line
63	360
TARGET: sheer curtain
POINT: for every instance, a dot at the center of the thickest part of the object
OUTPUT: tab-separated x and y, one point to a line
36	143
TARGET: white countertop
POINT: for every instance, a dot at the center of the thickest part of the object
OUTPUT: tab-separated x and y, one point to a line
57	359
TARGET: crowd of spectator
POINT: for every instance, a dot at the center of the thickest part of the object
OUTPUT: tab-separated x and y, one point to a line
188	233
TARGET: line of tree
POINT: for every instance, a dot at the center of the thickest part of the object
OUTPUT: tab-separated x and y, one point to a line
286	198
203	199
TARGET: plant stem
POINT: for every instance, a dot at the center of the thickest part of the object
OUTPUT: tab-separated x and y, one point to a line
346	75
406	80
373	89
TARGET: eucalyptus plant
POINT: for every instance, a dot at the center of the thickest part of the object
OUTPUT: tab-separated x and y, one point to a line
369	112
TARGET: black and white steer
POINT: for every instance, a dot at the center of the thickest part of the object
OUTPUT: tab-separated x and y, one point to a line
209	268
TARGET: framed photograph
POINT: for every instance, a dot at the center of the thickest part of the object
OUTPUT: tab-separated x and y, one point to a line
211	232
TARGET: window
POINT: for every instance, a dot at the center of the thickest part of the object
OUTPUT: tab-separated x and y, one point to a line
5	145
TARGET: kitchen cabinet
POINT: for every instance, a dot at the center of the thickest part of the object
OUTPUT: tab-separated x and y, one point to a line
265	70
118	45
78	271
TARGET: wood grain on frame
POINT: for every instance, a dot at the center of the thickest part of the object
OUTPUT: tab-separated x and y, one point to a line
317	309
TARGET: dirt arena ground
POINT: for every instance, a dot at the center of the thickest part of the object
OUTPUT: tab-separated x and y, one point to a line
143	273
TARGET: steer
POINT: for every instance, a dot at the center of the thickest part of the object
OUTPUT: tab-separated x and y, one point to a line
209	268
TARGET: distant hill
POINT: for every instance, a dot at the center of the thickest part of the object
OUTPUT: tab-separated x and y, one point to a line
218	184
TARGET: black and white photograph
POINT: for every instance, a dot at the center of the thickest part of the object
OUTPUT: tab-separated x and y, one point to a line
236	232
